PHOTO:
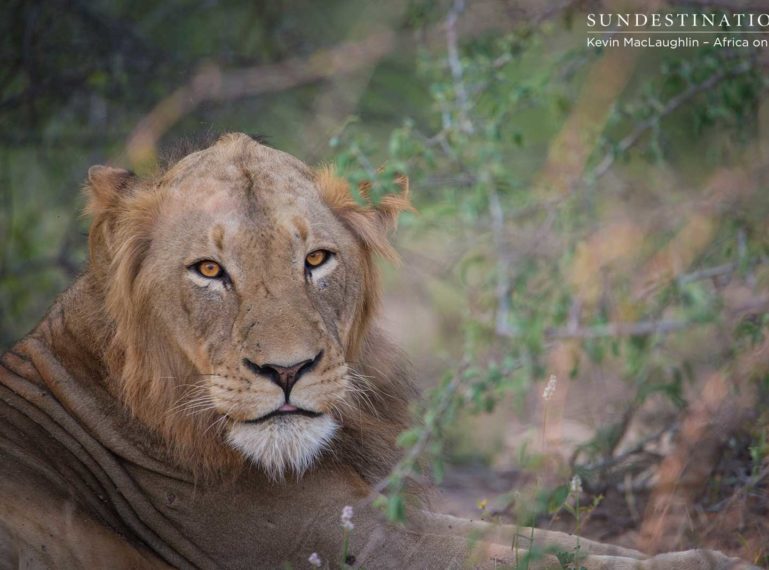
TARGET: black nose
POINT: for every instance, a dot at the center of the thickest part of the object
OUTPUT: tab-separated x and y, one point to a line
284	376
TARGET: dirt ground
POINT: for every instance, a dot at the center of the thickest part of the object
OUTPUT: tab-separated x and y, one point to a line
729	517
487	478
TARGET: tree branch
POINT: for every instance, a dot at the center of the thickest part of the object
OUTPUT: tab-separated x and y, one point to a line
674	103
504	264
212	83
455	65
639	328
405	466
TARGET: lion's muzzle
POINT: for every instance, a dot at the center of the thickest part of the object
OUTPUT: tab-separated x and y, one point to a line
285	377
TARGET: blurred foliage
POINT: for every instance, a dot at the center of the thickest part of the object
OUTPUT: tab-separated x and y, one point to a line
597	266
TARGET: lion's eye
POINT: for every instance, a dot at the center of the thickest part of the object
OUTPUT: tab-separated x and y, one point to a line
209	269
317	258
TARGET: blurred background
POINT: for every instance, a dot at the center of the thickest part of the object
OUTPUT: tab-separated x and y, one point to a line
584	289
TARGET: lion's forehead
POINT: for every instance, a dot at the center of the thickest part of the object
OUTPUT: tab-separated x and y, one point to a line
245	167
240	198
218	194
210	205
246	187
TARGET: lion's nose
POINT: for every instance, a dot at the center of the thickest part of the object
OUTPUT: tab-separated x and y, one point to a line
284	376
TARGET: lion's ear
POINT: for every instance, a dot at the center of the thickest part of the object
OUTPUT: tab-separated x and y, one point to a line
104	189
105	186
390	206
371	223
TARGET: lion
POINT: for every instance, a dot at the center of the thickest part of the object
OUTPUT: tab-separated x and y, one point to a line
213	389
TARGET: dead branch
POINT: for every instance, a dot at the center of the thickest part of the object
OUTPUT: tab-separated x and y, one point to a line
609	330
213	84
726	403
639	328
613	460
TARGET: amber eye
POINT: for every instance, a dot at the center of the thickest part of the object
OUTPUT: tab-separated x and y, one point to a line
317	258
209	269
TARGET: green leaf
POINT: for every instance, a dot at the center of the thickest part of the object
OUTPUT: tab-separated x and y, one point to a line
396	509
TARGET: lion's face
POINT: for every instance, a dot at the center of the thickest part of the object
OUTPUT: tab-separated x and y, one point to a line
259	285
252	280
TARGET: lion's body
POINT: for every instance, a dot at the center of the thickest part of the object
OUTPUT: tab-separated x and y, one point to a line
73	459
99	470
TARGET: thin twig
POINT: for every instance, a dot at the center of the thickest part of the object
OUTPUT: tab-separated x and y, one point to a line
674	103
707	273
638	328
455	65
503	290
637	448
618	329
405	466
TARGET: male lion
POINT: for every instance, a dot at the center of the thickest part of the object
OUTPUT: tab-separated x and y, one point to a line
212	390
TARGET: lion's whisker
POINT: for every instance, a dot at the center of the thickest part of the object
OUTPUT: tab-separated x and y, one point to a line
200	403
370	382
217	424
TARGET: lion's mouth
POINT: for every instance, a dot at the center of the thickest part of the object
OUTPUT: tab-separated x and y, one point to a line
284	410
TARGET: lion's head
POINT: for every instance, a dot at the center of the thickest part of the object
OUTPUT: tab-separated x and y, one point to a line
239	287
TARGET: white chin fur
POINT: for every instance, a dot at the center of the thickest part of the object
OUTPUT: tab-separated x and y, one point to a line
283	444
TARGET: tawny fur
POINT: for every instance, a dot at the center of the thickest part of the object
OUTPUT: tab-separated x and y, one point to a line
148	371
